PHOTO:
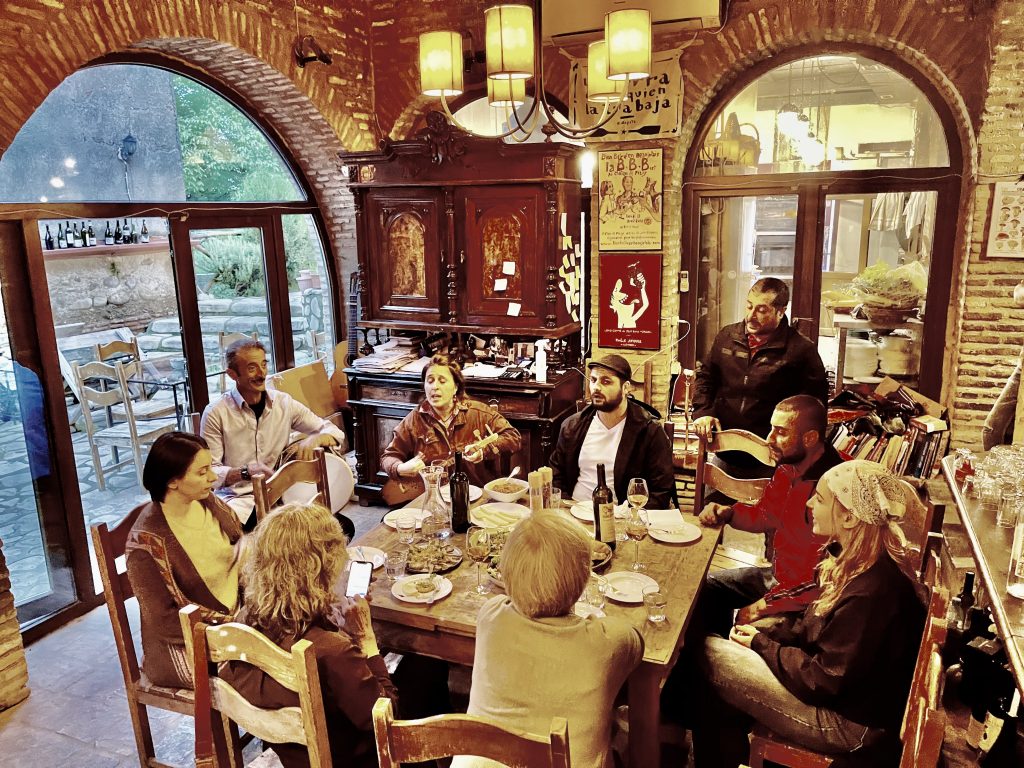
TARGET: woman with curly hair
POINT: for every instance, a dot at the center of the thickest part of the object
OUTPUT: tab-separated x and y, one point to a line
289	568
836	678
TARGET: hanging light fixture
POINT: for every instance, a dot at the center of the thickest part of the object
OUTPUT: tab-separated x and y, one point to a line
512	34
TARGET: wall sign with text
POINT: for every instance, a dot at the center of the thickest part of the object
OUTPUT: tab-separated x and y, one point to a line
1006	231
629	300
630	192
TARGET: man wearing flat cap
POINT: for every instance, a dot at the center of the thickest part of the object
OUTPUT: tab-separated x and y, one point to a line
616	431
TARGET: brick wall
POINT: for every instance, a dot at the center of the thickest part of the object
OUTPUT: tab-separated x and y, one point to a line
13	668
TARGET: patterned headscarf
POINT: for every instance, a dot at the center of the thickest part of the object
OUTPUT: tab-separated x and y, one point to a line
871	492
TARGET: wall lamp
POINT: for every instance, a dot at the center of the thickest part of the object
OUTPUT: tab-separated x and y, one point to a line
306	49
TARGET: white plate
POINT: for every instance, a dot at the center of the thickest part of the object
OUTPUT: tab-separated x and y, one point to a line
444	588
584	510
394	514
680	533
475	492
498	514
367	555
585	610
627	586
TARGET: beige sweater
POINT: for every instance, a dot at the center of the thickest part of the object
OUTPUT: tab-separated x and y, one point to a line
527	671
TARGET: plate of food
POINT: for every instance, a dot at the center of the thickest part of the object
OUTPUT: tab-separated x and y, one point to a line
627	586
507	489
584	510
475	492
681	532
421	589
419	514
367	555
498	514
600	555
436	556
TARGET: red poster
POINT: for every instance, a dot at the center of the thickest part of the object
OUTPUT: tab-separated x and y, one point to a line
629	301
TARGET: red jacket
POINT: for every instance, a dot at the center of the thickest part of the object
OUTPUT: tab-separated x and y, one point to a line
783	509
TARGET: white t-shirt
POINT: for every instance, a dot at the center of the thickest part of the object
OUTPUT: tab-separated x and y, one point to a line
600	446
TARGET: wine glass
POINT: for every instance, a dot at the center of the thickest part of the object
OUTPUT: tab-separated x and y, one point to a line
636	492
478	547
636	529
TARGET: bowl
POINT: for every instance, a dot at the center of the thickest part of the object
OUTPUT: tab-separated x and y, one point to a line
522	485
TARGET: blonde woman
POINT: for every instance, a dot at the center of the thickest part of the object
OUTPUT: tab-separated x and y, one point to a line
291	565
535	659
836	678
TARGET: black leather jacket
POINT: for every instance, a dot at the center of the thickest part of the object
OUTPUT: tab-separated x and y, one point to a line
741	390
644	451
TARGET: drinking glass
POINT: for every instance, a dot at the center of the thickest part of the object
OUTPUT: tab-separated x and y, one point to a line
394	564
405	524
636	529
595	593
478	547
1006	514
556	499
636	492
655	603
1015	573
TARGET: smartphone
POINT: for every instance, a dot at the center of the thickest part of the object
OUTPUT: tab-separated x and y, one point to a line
359	579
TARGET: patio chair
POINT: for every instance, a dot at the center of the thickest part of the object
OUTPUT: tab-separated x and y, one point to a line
225	340
145	407
130	433
268	491
220	708
414	741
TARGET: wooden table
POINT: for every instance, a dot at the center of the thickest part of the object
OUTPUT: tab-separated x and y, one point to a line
990	545
447	629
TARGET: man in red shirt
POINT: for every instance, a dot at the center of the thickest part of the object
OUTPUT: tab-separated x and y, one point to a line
802	455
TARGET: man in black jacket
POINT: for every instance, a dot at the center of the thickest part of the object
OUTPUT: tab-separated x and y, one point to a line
755	364
624	436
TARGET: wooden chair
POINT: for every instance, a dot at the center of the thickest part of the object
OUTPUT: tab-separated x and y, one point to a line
225	340
414	741
130	433
127	353
220	709
117	590
922	723
714	477
268	491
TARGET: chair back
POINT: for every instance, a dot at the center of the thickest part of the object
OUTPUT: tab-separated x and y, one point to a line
120	349
710	476
309	385
925	723
217	701
268	491
414	741
934	634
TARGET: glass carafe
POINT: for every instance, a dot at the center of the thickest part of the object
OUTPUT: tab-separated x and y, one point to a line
434	504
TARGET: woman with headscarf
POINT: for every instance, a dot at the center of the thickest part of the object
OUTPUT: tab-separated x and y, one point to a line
836	679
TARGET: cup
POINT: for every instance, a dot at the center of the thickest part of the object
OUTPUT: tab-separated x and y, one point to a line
556	499
594	594
394	563
1006	514
655	603
1015	573
405	524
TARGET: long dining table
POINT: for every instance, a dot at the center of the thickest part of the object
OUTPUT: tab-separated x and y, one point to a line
446	629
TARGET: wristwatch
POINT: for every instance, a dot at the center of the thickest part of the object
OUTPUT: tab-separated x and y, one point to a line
244	471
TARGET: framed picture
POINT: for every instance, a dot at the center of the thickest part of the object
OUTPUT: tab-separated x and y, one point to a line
630	193
1006	231
629	300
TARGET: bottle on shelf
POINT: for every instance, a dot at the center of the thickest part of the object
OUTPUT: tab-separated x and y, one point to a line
604	510
118	235
92	235
133	237
459	488
62	241
144	234
77	237
125	234
48	241
108	236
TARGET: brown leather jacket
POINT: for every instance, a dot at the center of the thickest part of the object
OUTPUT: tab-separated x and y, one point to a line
422	432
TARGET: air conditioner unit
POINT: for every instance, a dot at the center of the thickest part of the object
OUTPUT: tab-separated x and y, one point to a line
567	23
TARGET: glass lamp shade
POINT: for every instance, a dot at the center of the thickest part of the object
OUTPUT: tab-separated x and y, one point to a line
508	35
441	63
599	87
788	120
628	34
506	93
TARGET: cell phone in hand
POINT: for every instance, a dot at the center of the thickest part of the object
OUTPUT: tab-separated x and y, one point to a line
359	579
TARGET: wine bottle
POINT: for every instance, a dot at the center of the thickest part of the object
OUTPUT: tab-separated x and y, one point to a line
62	241
108	236
118	236
48	241
133	238
77	237
967	593
459	488
604	510
125	234
92	235
144	233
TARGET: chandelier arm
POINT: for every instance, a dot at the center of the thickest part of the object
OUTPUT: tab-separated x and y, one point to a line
466	128
579	133
520	128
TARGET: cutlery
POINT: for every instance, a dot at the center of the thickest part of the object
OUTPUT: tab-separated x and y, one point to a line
359	553
513	473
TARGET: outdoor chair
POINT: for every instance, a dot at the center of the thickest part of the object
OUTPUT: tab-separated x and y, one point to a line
220	709
145	407
415	741
267	491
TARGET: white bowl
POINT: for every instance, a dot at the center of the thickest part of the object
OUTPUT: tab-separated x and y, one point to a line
524	488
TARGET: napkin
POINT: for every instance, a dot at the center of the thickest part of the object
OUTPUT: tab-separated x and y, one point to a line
668	519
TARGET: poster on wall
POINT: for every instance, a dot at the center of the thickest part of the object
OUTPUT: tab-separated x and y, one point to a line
629	300
1006	232
630	192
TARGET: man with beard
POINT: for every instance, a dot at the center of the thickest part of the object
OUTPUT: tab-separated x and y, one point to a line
802	454
752	365
248	428
616	431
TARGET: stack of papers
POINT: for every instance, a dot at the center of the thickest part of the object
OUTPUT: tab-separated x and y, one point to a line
483	371
386	358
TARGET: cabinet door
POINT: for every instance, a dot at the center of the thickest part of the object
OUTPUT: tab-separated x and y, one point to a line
403	229
503	254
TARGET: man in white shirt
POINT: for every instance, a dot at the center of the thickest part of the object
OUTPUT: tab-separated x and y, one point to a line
624	436
249	427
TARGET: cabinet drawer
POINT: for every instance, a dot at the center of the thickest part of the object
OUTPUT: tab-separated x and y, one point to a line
515	405
390	394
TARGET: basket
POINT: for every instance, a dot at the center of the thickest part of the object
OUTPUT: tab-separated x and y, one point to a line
887	317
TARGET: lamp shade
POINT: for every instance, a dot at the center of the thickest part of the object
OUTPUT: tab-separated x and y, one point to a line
599	87
628	34
508	35
441	63
506	92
